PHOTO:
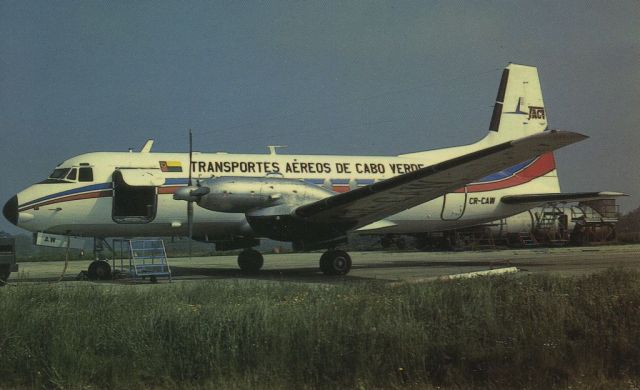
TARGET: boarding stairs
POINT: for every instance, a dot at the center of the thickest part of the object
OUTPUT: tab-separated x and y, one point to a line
141	259
475	239
527	240
552	226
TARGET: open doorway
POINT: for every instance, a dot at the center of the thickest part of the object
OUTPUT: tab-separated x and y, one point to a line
133	204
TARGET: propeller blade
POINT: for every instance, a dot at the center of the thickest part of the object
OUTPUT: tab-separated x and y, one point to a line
190	156
190	203
190	224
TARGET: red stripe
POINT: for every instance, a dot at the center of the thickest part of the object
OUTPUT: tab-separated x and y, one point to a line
92	195
540	167
88	195
340	188
168	190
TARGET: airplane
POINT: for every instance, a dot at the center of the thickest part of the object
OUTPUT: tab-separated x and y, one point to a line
312	201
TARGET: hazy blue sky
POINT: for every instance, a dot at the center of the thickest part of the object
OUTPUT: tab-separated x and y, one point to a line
323	77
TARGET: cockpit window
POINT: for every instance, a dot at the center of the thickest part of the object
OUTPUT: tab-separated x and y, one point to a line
59	174
86	174
66	175
72	174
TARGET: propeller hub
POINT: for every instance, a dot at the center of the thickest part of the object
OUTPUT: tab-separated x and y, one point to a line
190	193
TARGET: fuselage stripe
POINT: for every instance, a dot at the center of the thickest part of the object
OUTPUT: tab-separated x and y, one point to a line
86	195
510	177
93	187
537	168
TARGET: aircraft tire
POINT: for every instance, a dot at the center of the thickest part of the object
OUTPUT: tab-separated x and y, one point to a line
335	262
324	263
5	271
250	261
99	270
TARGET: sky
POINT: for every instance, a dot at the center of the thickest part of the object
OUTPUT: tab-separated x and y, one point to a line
322	77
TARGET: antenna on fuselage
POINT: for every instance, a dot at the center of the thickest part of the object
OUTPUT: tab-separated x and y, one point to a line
146	148
273	148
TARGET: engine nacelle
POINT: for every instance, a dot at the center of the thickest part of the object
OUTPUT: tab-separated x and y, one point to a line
245	194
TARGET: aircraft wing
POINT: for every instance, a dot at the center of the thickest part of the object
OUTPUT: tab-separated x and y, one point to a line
371	203
535	200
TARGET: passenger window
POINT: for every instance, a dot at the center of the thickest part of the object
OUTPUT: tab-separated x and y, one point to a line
72	174
86	174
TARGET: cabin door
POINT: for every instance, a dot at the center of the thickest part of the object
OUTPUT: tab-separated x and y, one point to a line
135	195
453	205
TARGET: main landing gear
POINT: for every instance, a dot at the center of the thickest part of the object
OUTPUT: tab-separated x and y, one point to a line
332	262
335	262
250	261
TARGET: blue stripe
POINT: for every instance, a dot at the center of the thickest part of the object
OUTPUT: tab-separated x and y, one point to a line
177	181
340	181
314	181
505	173
93	187
364	182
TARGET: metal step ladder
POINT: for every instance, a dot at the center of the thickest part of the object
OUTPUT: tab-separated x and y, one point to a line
141	258
527	239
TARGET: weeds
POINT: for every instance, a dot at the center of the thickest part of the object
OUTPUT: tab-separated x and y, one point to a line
532	331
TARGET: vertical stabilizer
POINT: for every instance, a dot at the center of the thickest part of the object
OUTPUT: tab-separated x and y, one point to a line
519	109
518	112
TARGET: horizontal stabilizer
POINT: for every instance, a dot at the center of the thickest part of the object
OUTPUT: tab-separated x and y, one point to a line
541	199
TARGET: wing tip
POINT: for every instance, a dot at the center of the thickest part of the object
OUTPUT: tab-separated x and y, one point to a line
551	139
612	194
570	134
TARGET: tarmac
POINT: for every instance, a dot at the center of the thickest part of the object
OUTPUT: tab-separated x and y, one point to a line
383	266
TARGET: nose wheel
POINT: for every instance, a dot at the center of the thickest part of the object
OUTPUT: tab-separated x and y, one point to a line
335	262
5	271
99	270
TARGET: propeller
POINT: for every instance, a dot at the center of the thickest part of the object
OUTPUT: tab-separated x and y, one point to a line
190	202
190	193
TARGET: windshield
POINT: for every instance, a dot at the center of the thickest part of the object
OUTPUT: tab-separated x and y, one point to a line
59	173
72	175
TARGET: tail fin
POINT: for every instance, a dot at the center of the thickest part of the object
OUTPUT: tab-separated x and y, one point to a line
518	112
519	109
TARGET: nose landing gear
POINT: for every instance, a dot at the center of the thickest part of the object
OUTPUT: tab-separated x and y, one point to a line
99	270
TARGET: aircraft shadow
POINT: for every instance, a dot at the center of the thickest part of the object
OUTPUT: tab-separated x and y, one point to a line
450	264
309	274
300	275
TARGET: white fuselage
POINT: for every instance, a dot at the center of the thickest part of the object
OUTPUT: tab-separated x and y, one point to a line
112	194
86	208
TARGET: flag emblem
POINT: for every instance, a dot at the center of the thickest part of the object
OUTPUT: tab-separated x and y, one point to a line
170	166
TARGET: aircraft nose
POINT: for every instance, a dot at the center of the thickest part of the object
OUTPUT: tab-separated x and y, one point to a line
10	210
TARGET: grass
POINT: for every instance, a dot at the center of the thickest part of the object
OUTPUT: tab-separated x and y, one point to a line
524	332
